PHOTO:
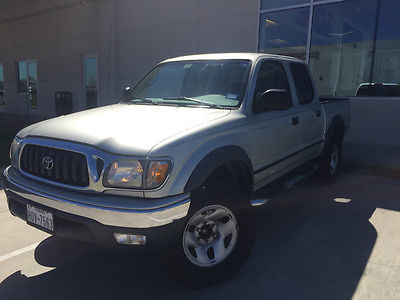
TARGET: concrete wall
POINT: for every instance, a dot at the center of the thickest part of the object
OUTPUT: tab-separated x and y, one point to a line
56	34
129	37
151	31
375	121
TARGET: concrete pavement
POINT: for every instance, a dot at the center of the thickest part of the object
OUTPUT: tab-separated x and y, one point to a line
376	160
314	241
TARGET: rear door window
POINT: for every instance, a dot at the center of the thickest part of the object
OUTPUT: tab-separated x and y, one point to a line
302	83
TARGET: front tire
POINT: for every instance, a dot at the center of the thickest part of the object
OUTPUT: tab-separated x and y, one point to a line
216	238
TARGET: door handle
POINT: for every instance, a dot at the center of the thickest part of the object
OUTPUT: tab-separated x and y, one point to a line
295	121
318	113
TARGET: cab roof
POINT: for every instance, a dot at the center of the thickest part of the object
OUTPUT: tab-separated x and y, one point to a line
239	55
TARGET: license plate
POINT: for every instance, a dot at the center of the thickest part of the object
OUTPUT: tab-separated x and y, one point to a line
39	217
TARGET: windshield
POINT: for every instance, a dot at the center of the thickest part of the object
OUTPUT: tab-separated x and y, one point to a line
219	84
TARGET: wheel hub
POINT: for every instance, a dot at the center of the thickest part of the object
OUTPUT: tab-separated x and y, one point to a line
206	232
333	161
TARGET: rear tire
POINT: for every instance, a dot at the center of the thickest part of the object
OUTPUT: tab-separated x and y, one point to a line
331	160
215	239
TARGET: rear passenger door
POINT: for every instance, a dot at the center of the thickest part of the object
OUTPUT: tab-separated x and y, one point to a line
310	114
275	133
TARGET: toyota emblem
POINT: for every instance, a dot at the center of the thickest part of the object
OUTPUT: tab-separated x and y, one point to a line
47	163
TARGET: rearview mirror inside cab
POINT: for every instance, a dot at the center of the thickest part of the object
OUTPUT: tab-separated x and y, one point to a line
274	99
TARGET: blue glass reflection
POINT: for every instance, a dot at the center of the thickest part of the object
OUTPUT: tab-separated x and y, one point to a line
386	69
284	32
266	4
342	44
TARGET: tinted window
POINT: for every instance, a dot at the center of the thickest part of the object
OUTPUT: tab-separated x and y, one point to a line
354	45
386	68
379	90
302	82
91	81
342	42
22	77
284	32
28	81
32	85
270	76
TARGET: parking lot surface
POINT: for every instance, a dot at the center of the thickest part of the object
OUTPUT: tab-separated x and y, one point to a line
314	241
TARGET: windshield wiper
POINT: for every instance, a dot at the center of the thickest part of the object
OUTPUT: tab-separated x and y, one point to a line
142	99
195	101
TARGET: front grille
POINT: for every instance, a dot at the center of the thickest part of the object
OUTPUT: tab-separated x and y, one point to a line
54	164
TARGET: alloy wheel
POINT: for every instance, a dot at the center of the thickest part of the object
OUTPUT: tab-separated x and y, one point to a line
210	236
334	160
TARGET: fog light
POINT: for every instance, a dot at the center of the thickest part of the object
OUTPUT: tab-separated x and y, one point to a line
130	239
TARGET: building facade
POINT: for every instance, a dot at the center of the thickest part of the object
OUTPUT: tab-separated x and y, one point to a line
95	48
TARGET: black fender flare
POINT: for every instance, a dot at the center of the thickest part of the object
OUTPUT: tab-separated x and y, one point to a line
213	161
336	124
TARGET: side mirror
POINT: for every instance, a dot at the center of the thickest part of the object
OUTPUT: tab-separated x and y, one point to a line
274	99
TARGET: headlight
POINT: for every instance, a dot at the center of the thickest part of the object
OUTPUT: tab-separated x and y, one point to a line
14	151
129	173
124	173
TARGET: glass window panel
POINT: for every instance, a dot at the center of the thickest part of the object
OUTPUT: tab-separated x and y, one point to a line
386	69
285	32
91	82
22	77
271	75
302	82
266	4
220	82
342	45
1	85
32	85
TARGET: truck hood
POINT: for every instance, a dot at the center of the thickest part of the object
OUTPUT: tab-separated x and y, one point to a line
122	128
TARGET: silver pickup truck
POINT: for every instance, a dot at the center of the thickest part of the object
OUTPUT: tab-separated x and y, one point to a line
175	164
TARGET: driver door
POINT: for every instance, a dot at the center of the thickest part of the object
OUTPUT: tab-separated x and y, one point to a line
276	134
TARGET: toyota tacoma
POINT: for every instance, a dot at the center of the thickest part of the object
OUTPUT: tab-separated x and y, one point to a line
176	163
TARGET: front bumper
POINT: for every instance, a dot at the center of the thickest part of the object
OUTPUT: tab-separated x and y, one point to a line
101	211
